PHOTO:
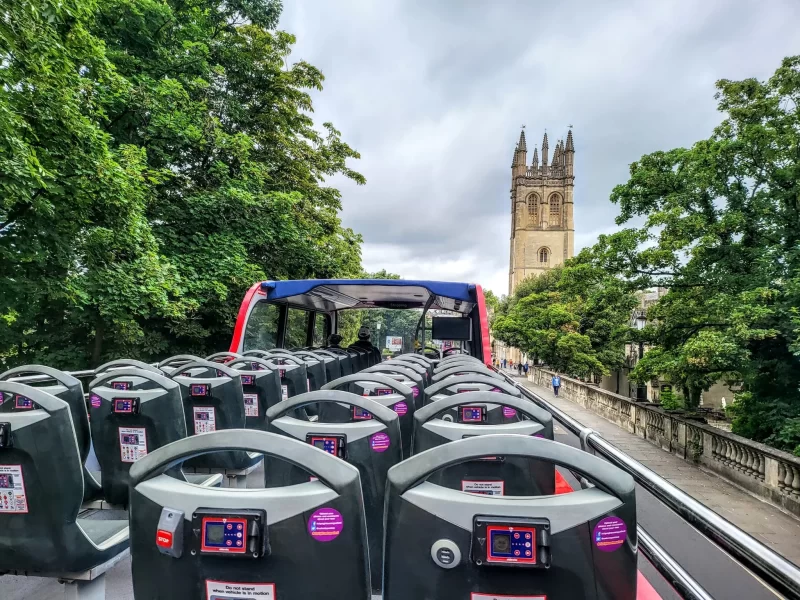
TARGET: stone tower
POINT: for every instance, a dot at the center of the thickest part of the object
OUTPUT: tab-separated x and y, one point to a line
542	225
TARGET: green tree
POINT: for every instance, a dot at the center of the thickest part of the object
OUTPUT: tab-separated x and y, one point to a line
78	259
157	157
575	317
722	233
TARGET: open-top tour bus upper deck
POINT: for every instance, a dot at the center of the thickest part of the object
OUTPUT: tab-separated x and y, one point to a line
290	467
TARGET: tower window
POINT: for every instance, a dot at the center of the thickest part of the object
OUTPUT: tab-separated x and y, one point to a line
544	255
533	207
555	210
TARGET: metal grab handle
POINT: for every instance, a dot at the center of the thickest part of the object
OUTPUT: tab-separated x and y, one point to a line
397	370
46	401
381	413
249	360
526	407
403	364
162	380
60	376
465	368
168	362
467	379
225	370
400	388
125	363
334	472
290	357
607	477
231	355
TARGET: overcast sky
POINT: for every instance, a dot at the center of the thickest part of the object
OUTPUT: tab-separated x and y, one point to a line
432	93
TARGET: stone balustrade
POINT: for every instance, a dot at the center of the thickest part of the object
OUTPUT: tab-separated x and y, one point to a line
764	471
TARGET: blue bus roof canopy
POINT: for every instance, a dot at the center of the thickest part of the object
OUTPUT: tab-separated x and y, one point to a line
328	295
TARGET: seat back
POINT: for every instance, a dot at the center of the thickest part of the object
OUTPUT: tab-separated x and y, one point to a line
467	415
261	389
363	357
372	444
469	382
125	363
213	400
131	419
410	377
333	364
348	361
319	523
418	360
458	360
315	369
292	373
378	387
70	390
444	544
41	487
168	365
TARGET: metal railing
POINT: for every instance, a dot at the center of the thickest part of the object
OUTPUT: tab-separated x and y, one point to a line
771	567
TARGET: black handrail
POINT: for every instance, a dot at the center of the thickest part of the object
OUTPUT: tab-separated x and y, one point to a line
771	567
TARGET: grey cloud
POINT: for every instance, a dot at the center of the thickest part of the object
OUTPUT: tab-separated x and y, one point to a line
432	93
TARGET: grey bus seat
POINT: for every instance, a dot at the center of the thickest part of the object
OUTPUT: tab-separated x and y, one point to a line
348	360
381	388
416	379
70	390
213	400
261	388
471	382
168	365
315	369
495	475
290	530
41	491
333	364
372	444
130	420
292	372
418	359
445	544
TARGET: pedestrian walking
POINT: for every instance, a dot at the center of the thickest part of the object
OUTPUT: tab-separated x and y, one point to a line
525	369
556	384
519	369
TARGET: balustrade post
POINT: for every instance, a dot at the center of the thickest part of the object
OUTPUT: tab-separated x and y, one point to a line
771	472
708	443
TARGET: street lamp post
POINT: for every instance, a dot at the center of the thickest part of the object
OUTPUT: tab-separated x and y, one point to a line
639	322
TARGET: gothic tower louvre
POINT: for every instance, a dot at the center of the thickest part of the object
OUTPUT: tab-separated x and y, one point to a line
542	225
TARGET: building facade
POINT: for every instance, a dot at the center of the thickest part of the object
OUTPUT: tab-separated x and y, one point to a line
542	224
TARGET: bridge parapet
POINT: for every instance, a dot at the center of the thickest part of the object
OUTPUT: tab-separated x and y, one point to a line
768	473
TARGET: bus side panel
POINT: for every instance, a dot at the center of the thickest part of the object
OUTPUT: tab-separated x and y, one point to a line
486	345
241	318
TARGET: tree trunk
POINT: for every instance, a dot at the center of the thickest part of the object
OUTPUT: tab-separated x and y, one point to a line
99	331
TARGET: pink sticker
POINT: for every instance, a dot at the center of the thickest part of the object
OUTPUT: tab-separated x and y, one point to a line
325	524
415	389
509	412
96	400
609	534
379	442
538	435
495	389
400	408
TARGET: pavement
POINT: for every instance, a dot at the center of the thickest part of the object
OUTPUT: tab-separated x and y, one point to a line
775	528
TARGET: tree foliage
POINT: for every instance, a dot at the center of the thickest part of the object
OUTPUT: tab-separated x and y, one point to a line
574	318
722	233
156	158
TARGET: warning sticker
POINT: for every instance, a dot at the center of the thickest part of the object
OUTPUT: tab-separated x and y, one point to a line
132	443
205	419
284	392
12	490
474	596
251	405
400	408
485	488
223	590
